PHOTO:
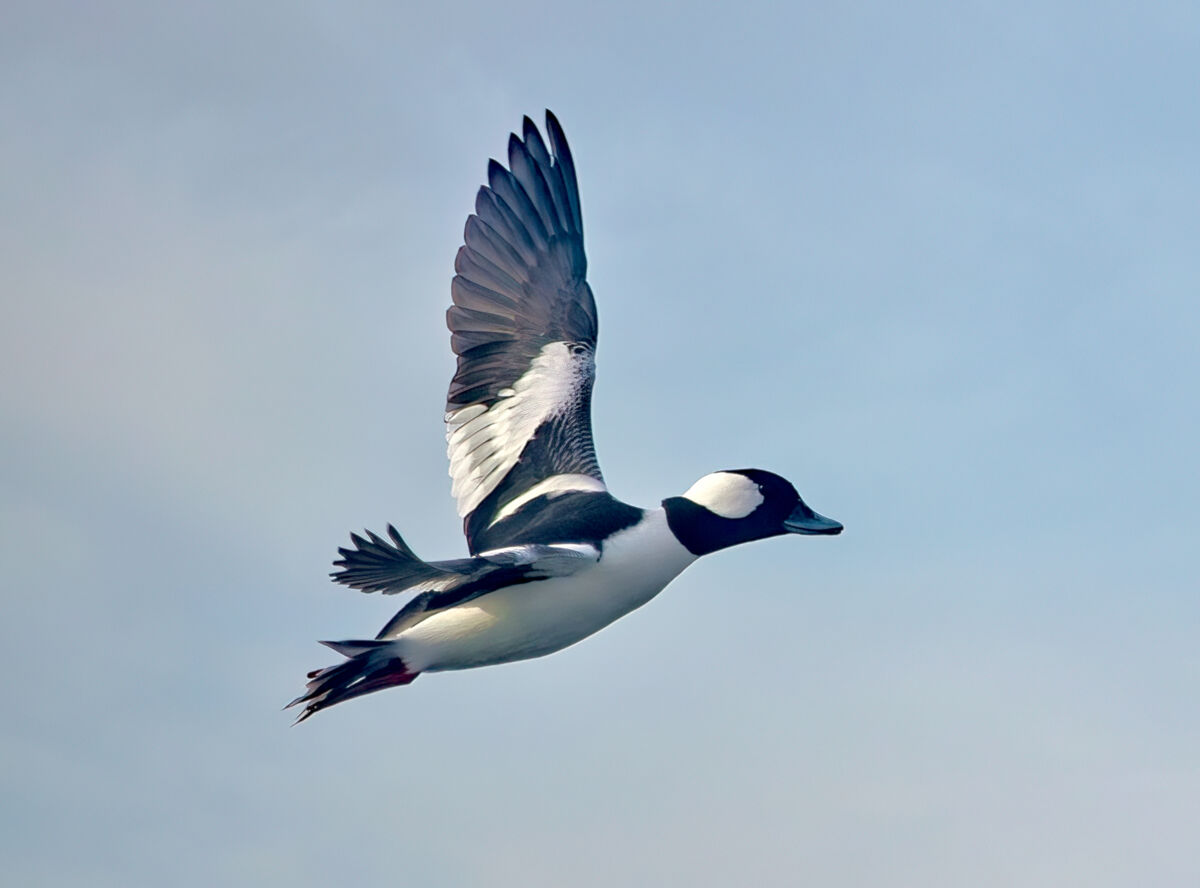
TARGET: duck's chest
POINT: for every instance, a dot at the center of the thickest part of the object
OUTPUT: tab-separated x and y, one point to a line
533	619
635	565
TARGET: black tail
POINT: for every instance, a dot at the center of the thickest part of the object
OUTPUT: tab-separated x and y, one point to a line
372	666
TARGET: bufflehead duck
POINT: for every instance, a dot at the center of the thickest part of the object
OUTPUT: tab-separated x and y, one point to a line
553	556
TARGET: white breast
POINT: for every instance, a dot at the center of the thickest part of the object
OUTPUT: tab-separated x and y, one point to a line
534	619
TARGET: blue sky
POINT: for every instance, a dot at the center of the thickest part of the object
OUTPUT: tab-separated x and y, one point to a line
935	263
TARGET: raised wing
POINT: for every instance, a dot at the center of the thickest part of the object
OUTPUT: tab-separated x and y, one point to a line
523	324
390	566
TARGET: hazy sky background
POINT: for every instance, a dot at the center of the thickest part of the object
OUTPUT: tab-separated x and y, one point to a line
936	263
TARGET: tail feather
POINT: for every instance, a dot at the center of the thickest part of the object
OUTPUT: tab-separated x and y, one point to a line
355	647
371	666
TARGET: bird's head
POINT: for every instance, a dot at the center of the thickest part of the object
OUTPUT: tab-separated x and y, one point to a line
740	505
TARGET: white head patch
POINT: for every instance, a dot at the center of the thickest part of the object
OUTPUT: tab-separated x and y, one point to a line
726	494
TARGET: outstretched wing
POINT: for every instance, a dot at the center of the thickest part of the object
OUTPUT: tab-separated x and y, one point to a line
523	324
390	566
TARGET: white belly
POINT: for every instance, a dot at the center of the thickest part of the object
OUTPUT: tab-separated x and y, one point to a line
538	618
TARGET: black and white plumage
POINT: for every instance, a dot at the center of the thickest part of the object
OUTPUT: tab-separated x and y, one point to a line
523	324
553	556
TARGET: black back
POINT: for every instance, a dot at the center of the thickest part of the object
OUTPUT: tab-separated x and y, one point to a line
572	517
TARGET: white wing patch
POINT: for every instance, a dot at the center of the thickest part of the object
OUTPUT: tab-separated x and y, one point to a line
441	584
555	485
484	444
727	494
553	560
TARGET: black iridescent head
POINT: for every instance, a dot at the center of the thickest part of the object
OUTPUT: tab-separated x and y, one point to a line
740	505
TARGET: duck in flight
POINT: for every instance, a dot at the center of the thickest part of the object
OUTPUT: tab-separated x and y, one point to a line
554	557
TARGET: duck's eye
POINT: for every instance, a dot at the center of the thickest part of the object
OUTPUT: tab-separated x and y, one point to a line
578	348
